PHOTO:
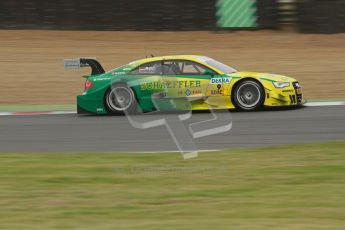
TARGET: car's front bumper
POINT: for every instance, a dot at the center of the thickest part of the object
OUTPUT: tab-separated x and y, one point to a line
290	96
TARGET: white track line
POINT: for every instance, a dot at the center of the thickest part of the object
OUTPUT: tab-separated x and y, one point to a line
325	103
308	104
176	151
63	112
36	113
5	113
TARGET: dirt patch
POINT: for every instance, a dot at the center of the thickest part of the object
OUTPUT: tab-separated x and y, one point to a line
33	73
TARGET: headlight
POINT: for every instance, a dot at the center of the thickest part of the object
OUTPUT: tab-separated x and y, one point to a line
278	84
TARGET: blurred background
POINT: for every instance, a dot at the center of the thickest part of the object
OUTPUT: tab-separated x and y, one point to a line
288	187
299	38
307	16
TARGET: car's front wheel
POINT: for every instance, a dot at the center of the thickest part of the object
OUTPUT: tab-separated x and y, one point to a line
248	95
120	98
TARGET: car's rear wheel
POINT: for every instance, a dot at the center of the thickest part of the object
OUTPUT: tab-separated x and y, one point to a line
248	95
120	98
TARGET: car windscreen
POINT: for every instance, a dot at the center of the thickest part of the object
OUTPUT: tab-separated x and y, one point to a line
218	65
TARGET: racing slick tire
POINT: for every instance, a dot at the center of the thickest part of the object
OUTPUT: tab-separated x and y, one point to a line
120	99
248	95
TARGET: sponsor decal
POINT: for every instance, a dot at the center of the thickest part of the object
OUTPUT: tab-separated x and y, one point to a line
188	92
170	85
117	73
159	95
147	69
101	79
217	91
220	80
196	92
287	91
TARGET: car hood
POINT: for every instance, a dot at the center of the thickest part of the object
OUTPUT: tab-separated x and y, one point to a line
264	76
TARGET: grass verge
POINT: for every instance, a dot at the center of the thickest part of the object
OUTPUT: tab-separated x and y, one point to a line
288	187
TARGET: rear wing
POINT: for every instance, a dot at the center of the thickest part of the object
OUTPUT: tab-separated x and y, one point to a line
96	67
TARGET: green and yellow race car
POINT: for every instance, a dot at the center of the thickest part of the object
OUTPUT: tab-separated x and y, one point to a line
180	82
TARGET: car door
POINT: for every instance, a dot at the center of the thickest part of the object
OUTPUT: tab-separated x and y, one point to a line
186	78
201	85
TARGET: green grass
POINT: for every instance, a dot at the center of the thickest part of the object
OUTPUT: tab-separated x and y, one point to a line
288	187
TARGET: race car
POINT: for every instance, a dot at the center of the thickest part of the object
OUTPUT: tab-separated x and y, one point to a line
180	82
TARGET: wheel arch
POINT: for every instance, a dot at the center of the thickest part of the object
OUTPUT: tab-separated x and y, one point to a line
117	83
245	79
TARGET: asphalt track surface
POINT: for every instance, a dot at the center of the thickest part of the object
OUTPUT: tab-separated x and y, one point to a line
72	133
